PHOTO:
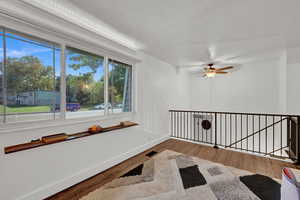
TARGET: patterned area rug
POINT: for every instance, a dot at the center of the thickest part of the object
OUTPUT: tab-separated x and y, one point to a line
173	176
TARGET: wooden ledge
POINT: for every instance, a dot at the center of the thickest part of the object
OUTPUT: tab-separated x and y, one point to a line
62	137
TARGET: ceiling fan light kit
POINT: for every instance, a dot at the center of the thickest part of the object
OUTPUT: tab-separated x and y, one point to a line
211	71
210	74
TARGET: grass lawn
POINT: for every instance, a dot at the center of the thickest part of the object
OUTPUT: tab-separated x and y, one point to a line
25	109
86	107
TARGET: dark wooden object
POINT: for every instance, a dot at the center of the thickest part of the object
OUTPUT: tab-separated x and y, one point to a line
62	137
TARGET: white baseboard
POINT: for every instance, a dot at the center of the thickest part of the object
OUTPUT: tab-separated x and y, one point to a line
60	185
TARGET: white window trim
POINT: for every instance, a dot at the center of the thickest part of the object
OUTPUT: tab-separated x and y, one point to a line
63	91
84	46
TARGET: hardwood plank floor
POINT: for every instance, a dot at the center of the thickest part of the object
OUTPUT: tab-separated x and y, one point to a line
261	165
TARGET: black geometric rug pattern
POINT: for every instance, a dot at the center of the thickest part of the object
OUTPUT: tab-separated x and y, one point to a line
173	176
134	172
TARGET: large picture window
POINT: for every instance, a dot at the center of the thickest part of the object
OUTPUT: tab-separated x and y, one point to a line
36	85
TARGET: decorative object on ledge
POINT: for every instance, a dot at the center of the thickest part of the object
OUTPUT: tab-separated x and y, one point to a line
61	137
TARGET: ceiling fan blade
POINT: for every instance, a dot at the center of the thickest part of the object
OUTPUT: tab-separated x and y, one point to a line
224	68
220	72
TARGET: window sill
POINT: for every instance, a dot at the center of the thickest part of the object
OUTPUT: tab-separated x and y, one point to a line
27	126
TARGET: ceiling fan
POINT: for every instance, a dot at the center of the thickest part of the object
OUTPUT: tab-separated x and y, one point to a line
211	71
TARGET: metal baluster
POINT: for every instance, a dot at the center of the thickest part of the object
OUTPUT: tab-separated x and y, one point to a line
289	135
187	126
266	137
259	134
198	125
253	129
281	135
193	117
230	129
247	127
191	125
297	140
221	128
202	134
216	131
183	125
225	130
235	130
206	132
179	123
241	131
273	135
171	114
211	137
176	114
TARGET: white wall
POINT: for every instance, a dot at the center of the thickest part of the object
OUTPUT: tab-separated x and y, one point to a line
160	88
293	88
261	87
252	88
40	172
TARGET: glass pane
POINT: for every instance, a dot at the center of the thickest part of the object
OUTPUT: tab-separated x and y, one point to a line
85	84
57	68
120	87
30	76
1	75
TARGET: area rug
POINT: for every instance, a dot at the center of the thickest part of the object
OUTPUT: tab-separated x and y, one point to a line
173	176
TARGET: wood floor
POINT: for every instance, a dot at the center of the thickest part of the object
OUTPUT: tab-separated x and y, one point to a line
265	166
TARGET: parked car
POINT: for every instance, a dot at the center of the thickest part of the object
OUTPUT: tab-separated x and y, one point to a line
72	107
99	107
69	107
102	106
119	106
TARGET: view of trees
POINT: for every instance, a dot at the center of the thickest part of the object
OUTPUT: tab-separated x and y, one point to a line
116	81
32	79
85	84
84	88
28	74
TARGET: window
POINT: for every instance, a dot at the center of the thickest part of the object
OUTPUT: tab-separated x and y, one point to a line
119	86
1	76
85	84
30	81
31	67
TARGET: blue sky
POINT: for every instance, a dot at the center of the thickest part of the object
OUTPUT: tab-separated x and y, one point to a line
18	48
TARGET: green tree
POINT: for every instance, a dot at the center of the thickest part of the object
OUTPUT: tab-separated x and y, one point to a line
83	88
116	80
28	74
117	76
78	88
82	59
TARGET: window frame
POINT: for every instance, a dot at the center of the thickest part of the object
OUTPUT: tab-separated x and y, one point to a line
63	45
112	61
